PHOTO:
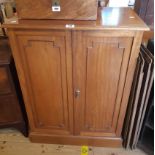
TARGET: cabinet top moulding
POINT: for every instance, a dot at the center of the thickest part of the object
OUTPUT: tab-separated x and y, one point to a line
108	19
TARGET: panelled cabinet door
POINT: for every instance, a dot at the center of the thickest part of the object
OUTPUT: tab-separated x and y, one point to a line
100	66
46	61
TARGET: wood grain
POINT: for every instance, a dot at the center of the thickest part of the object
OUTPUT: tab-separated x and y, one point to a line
96	57
5	85
70	9
101	84
13	143
94	54
10	105
126	19
5	51
129	77
44	57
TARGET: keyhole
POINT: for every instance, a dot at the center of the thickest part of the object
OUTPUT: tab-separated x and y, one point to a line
56	2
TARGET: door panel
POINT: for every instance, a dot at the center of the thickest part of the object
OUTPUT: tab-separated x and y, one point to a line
44	59
100	65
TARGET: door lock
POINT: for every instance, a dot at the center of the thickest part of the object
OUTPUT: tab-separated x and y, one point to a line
77	93
56	6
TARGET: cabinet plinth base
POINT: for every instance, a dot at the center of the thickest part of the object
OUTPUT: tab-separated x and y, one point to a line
76	140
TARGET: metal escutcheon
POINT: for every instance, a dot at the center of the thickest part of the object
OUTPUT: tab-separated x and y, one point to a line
77	93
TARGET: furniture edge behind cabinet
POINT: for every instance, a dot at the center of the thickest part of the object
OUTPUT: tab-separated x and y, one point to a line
12	111
75	82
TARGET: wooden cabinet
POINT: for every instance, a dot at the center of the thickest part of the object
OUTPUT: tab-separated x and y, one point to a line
76	81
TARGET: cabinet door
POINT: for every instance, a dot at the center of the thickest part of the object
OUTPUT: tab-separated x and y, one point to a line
44	59
100	67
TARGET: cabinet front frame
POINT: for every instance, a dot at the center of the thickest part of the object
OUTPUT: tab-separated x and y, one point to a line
47	137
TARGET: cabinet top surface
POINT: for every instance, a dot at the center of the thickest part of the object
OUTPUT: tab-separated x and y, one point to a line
108	19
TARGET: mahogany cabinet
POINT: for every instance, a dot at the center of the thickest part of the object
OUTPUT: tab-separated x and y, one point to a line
76	75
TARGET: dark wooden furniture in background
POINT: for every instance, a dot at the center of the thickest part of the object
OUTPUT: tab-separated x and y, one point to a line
69	9
2	30
146	140
76	79
145	9
10	109
135	123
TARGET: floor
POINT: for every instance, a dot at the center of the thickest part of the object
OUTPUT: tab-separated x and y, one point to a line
13	142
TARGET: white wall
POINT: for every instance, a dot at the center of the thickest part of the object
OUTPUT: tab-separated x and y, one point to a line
118	3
